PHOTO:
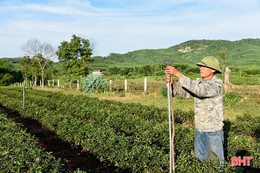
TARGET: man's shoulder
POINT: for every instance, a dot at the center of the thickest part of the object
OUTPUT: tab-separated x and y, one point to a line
217	80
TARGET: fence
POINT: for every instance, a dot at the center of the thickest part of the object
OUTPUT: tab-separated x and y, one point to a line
132	85
144	85
137	85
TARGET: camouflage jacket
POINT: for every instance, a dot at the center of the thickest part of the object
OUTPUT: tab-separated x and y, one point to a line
208	101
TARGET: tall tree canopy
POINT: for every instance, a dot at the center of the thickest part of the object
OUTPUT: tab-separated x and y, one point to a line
75	56
26	66
40	52
8	74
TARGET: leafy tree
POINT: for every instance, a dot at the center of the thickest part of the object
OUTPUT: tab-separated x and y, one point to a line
6	73
35	70
124	71
75	56
6	79
113	70
25	65
223	60
147	70
43	62
41	52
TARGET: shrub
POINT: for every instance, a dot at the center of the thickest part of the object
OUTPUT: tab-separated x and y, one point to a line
194	70
231	98
93	82
159	73
164	91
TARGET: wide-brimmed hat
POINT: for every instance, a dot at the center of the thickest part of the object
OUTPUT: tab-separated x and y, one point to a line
211	62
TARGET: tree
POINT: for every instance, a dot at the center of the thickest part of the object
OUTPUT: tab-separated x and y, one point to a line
75	56
6	73
35	70
42	64
26	66
223	60
113	70
41	52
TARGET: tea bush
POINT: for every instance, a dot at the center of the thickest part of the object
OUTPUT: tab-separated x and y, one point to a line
164	91
231	97
132	136
19	151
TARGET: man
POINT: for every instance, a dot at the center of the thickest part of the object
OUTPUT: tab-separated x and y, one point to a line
208	107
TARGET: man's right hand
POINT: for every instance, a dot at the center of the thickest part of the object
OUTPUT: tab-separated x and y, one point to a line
168	79
172	71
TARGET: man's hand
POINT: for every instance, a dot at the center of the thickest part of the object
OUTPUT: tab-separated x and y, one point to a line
169	70
168	78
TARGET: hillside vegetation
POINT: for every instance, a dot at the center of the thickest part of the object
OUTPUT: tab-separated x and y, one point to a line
244	52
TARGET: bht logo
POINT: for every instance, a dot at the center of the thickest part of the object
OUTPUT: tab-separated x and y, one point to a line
237	161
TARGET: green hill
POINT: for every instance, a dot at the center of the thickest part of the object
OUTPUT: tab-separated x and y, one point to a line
246	52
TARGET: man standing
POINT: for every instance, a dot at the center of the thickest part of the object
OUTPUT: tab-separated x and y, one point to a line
208	107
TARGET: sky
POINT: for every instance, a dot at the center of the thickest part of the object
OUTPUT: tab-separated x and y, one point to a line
121	26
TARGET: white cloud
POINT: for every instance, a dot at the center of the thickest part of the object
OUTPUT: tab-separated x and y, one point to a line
146	24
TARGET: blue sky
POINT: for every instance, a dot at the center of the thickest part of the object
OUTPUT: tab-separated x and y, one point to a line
121	26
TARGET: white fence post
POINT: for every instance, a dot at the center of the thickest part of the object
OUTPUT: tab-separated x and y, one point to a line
125	84
145	84
110	85
58	83
77	84
52	82
48	83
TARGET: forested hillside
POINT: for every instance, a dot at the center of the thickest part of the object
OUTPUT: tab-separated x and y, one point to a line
244	52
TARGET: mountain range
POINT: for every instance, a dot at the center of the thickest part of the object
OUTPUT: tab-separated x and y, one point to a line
244	52
241	52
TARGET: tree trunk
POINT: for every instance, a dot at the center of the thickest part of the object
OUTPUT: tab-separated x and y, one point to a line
35	77
42	78
227	84
71	80
25	74
32	81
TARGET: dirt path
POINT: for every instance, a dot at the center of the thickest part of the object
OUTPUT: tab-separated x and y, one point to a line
76	157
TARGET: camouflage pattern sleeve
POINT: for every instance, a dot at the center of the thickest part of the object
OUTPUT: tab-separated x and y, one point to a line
180	91
200	88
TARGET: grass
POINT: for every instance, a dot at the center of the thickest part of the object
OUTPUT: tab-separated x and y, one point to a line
243	106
